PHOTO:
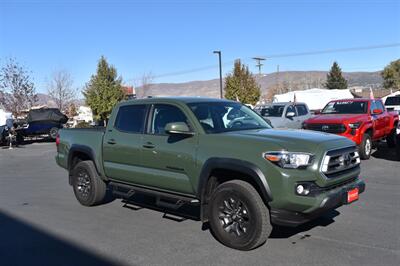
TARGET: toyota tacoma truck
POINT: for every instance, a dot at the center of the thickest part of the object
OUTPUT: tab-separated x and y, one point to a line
220	155
364	121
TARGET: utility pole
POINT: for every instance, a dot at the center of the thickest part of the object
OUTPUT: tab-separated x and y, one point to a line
259	64
220	73
277	79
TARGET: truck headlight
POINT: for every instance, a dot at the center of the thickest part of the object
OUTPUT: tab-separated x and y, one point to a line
287	159
355	125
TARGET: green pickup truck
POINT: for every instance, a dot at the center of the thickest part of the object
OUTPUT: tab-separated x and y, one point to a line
217	154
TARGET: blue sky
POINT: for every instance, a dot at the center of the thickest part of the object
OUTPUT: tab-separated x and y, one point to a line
172	36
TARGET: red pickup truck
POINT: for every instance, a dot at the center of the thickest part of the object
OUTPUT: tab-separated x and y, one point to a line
362	120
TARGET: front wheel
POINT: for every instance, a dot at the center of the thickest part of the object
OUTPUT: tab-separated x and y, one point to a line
238	216
365	147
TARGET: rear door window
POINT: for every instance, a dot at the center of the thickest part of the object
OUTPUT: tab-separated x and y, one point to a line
131	118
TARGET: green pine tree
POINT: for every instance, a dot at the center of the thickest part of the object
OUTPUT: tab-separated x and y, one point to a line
335	79
241	85
104	90
391	75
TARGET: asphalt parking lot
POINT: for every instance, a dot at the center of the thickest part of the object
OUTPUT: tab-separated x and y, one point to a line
41	223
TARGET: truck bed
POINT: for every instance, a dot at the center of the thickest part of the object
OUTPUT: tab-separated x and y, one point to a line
75	139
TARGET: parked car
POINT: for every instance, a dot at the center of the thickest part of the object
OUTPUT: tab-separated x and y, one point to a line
364	121
285	115
245	176
392	103
44	121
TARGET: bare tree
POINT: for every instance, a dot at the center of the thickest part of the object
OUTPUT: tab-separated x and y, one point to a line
60	89
145	84
16	87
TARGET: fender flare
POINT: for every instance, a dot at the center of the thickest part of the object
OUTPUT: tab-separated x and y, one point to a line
237	165
81	149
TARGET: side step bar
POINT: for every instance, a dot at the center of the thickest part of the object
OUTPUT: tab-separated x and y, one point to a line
175	201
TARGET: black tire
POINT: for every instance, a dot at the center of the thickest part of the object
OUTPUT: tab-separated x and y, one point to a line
391	139
236	206
88	187
365	147
20	139
53	133
398	147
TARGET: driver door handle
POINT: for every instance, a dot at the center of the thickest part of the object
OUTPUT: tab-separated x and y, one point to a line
111	141
149	145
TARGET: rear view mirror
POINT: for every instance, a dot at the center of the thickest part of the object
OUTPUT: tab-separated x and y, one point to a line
179	128
377	111
290	114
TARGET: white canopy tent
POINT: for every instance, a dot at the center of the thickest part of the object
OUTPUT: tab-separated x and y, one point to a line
315	98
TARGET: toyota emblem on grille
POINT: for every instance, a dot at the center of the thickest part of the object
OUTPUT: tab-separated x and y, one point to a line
325	128
347	159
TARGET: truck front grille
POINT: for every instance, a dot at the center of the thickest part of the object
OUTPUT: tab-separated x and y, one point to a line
340	161
329	128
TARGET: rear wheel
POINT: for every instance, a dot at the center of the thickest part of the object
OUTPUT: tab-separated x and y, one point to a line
88	187
391	139
53	133
365	147
238	216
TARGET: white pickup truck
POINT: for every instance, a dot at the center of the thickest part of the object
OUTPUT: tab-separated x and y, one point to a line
285	114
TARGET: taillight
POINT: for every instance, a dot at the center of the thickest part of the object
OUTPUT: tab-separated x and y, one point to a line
58	140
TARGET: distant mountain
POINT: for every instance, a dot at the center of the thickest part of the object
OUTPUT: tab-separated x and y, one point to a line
293	79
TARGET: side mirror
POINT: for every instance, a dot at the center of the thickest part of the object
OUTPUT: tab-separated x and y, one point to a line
377	111
179	128
317	112
290	114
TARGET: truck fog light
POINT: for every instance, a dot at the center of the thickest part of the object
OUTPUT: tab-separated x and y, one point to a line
302	190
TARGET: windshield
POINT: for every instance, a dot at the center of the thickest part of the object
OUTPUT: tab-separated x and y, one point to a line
346	107
217	117
273	111
393	100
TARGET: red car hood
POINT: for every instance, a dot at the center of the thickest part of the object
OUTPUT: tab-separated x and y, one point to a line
336	118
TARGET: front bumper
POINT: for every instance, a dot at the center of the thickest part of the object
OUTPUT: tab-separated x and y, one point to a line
331	199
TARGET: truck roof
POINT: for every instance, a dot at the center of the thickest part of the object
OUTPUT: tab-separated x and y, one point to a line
354	100
177	99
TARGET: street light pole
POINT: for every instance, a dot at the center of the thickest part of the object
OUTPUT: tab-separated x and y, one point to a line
220	73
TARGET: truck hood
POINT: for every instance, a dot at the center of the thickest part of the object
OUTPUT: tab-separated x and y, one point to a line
296	139
336	118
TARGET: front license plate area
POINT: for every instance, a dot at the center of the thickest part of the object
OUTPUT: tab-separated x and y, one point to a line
352	195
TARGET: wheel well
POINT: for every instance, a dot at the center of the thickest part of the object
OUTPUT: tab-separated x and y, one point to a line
219	176
77	157
369	132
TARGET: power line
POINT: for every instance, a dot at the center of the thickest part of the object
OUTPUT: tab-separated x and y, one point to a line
295	54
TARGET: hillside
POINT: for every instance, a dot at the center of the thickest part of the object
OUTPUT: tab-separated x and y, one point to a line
293	79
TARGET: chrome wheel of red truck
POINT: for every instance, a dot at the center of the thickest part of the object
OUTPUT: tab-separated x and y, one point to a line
365	147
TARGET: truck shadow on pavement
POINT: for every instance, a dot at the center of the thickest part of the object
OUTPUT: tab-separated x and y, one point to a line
383	152
286	232
24	244
191	212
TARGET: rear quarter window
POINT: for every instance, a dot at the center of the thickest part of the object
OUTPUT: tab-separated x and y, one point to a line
131	118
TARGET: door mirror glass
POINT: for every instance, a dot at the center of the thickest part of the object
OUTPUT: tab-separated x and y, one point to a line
290	114
180	128
377	111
